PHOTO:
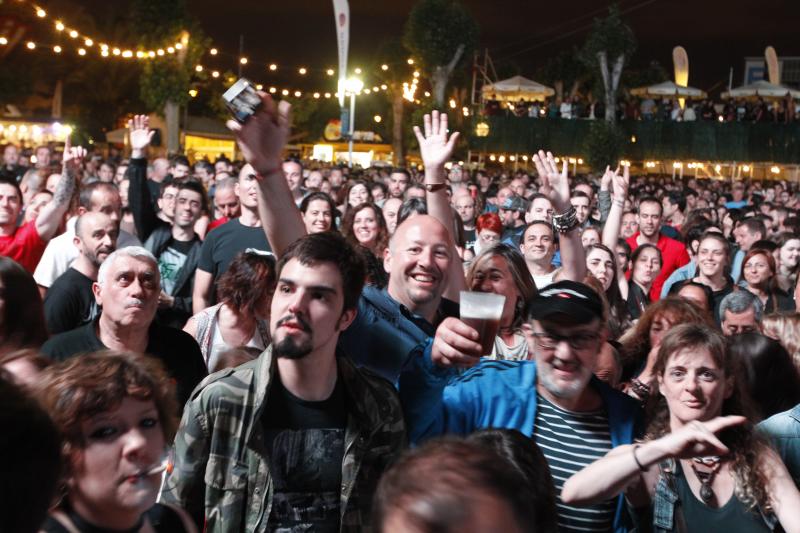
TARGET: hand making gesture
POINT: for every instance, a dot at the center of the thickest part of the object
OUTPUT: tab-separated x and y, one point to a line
434	146
263	137
140	135
73	157
555	184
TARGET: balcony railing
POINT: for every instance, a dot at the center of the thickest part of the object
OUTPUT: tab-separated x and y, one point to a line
699	140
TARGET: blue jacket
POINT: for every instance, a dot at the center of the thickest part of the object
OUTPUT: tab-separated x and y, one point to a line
784	431
493	394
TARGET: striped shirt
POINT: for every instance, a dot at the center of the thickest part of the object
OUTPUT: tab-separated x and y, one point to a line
570	441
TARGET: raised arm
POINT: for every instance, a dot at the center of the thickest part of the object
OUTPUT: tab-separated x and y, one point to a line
624	465
49	219
262	140
555	185
620	191
436	148
145	218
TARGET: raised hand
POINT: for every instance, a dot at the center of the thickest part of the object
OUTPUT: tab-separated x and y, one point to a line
434	145
621	183
73	157
555	184
697	438
263	137
140	134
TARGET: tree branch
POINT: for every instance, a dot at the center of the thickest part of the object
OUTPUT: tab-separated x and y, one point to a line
456	57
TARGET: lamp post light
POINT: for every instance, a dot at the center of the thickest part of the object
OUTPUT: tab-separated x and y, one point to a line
353	86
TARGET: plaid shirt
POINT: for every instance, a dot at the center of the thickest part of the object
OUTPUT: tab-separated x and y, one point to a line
221	473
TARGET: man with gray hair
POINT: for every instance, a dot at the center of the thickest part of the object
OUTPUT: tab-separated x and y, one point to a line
740	312
127	289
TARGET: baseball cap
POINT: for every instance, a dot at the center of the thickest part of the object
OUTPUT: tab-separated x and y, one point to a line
577	301
514	203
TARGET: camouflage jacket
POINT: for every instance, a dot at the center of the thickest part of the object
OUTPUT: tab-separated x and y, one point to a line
221	471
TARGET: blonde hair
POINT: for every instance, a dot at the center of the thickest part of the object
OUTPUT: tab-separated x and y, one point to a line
784	328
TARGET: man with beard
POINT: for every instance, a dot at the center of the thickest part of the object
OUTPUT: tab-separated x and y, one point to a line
553	398
69	302
297	439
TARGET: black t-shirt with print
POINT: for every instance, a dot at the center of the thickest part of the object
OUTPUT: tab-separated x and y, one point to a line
69	302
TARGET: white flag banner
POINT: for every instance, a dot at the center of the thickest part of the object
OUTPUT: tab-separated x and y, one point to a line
341	9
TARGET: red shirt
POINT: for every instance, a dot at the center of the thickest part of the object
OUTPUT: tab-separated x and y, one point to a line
25	246
217	223
673	255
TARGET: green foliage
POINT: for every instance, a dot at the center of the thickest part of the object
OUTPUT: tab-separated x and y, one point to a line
604	145
611	35
436	28
653	73
564	67
167	78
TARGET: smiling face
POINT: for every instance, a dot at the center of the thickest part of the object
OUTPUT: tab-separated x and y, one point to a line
294	175
711	258
563	371
493	275
538	244
188	208
365	227
757	271
790	254
601	266
694	386
318	216
358	195
418	261
120	444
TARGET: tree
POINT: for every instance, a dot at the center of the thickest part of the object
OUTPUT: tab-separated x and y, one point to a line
563	72
394	55
604	144
166	80
610	39
441	35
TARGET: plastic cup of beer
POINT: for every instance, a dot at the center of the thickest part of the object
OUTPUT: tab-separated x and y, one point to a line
482	311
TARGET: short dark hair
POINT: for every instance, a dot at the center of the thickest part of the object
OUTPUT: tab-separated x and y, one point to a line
401	170
650	200
330	247
435	487
22	322
193	185
205	165
179	160
677	198
293	159
15	185
754	225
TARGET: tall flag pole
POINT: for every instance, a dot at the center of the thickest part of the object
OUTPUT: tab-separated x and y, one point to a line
341	9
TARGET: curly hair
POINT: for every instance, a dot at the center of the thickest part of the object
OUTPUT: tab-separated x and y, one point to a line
82	387
746	444
249	279
636	341
382	239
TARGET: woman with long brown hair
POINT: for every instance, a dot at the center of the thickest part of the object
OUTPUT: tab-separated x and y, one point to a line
702	463
364	225
759	271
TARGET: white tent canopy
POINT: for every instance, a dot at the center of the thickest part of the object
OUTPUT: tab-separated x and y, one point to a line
516	89
763	89
668	88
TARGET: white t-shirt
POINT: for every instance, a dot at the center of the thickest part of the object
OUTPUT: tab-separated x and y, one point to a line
61	252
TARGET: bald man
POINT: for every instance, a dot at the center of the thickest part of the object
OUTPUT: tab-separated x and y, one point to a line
69	302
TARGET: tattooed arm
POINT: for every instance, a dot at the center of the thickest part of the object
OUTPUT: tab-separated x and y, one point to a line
49	219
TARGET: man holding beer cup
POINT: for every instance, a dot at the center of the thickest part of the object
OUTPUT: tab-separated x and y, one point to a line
554	399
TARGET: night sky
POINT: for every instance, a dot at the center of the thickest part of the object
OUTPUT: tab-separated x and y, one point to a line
717	35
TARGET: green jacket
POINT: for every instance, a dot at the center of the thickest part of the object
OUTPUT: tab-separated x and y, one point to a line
221	471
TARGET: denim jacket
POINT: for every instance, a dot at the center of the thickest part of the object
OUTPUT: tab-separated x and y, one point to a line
784	431
665	519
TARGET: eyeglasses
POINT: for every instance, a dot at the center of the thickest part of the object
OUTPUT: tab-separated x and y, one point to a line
550	341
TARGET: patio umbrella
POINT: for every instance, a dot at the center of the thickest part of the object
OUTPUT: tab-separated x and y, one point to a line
762	89
516	89
668	88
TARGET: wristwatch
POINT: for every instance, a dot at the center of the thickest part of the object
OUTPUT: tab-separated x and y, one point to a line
433	187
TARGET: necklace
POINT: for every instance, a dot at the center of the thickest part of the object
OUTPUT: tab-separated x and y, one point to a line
706	477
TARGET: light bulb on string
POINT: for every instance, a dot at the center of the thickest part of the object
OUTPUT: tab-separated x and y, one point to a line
57	49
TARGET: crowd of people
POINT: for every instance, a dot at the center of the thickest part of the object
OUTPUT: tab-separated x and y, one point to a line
302	322
573	107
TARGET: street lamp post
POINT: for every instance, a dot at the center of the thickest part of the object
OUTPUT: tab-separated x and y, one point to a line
353	86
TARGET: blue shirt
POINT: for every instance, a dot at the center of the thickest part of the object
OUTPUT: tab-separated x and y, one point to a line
385	332
682	274
784	431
